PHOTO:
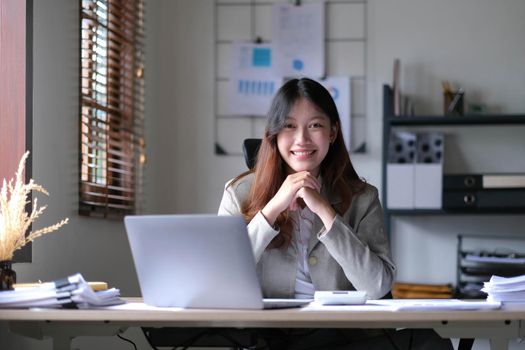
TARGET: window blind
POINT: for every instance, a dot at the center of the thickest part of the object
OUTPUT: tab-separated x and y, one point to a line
111	107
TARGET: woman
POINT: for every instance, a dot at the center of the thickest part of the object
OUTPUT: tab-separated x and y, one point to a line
313	223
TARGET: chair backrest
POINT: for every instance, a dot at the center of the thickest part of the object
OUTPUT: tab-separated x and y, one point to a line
250	147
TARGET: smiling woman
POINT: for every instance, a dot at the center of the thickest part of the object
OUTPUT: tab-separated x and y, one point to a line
305	200
313	223
302	141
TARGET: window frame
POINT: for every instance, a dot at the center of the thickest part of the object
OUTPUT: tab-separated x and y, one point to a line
111	142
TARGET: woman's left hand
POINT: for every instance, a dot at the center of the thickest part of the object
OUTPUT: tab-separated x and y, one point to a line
317	204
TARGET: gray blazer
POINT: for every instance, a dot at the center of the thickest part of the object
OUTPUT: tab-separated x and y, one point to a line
353	254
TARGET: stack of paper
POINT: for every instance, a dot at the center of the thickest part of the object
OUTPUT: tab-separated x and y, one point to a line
71	292
505	288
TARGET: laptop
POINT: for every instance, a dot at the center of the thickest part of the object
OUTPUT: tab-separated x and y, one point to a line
197	261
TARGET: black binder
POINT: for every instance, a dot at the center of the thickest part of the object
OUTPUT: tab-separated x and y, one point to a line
460	200
462	182
484	200
483	181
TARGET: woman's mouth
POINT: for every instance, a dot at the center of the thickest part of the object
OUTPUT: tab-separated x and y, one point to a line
303	154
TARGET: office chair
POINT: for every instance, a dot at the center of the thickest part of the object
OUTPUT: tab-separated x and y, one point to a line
250	148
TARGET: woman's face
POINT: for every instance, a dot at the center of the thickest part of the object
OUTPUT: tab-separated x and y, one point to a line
304	140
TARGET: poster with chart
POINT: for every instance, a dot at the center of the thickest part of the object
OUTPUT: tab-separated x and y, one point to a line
298	34
339	88
252	82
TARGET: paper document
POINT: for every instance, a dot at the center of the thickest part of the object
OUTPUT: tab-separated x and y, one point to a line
435	304
298	34
139	307
505	288
340	297
339	88
253	82
70	292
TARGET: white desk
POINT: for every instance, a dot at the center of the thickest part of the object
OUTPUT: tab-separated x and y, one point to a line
63	325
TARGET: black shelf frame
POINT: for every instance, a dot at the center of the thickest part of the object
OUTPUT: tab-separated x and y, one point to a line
433	120
437	212
392	121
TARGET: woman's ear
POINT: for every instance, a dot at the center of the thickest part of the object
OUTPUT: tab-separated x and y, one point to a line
333	132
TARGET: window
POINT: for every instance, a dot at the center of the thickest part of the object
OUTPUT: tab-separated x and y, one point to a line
111	107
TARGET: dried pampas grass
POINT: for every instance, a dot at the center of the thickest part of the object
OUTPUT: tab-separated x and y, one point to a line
14	220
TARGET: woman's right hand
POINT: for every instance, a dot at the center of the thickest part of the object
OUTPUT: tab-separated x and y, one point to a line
286	196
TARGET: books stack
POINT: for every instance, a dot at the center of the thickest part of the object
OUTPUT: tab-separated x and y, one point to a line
421	291
505	289
70	292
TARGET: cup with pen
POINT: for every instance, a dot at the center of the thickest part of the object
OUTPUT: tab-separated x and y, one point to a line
453	99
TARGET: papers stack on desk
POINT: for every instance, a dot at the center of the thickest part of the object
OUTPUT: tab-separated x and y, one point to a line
505	288
70	292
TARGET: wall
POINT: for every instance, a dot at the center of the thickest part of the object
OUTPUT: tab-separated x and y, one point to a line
189	176
467	50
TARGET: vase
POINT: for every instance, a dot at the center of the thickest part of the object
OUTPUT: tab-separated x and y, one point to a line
7	275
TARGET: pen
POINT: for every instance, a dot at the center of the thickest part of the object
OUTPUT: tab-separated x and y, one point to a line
457	97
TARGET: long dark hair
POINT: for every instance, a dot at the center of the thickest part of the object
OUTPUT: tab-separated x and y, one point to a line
336	170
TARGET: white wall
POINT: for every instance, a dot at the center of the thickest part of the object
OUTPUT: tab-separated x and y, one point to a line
478	43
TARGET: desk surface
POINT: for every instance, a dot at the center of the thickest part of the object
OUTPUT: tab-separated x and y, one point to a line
63	325
297	317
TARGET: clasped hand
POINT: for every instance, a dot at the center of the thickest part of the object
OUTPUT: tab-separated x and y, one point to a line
301	185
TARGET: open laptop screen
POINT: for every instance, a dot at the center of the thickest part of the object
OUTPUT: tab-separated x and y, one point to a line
194	261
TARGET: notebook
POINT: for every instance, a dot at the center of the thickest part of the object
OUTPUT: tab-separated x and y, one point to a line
197	261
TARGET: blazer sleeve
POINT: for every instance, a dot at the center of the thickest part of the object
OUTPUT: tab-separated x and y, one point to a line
363	250
260	231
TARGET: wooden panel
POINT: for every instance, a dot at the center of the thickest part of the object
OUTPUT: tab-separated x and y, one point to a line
15	92
12	85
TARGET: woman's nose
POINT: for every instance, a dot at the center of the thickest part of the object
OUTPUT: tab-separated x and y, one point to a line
302	134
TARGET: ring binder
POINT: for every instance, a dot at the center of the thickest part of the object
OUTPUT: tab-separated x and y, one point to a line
484	199
483	181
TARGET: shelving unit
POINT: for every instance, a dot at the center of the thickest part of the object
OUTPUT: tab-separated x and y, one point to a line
439	122
421	121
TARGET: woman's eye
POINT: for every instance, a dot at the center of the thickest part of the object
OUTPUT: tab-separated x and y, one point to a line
317	125
288	126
